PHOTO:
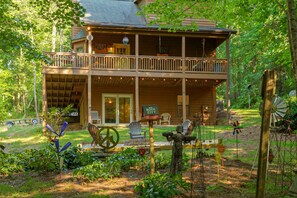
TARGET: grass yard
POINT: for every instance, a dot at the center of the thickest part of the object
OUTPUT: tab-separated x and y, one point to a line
234	176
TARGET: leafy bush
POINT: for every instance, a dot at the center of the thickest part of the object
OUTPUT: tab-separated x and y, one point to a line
97	170
9	163
126	159
161	185
43	160
163	161
112	167
74	157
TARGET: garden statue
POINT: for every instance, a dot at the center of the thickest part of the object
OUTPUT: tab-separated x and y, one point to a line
177	149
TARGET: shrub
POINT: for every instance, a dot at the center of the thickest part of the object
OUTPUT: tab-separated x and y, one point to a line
126	159
161	185
43	160
97	170
9	163
74	157
163	161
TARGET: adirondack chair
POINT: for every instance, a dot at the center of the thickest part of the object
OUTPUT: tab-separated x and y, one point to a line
93	130
135	131
165	118
187	127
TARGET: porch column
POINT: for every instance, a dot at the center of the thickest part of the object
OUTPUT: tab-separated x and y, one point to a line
44	104
90	38
89	98
228	79
137	78
184	79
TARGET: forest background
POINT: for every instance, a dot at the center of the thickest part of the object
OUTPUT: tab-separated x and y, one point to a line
266	39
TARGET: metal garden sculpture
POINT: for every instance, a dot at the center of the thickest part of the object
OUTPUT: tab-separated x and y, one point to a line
57	143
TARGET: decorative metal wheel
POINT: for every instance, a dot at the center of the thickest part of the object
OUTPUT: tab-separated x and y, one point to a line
278	110
107	137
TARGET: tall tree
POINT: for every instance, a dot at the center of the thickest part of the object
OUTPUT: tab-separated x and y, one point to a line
262	41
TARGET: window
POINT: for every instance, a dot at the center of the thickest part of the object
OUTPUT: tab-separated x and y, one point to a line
180	105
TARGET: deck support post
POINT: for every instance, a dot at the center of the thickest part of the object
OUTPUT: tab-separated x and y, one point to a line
183	79
137	77
90	38
268	92
228	80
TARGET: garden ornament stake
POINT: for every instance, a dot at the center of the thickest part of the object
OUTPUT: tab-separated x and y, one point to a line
177	149
57	143
236	131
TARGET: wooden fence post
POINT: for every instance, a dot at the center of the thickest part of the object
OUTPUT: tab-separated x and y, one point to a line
268	91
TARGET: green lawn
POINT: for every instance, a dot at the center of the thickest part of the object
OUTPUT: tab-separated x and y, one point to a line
18	138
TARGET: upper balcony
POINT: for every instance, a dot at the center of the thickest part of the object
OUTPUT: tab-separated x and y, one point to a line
213	68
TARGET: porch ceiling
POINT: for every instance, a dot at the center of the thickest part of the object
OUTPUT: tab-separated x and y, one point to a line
62	90
114	81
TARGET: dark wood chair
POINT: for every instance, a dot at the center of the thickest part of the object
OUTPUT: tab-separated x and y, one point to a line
93	130
135	131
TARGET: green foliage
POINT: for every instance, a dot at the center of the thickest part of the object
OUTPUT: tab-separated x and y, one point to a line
290	118
9	164
62	13
56	116
161	185
43	160
74	157
126	159
112	167
163	161
97	169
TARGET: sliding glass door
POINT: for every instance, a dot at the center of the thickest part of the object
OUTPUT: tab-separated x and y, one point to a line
117	108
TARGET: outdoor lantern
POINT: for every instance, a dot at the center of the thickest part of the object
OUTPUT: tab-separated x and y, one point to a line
90	37
125	40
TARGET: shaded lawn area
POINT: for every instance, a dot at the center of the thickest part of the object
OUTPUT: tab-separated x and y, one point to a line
18	138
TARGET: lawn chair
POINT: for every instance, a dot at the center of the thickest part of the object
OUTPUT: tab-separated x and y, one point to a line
93	130
165	118
96	119
136	132
187	128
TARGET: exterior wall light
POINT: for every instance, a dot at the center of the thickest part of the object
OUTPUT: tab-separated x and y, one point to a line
125	40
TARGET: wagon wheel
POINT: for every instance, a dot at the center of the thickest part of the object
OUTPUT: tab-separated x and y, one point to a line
107	137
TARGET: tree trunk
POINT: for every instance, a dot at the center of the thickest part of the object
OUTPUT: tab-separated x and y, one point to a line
54	33
35	97
292	34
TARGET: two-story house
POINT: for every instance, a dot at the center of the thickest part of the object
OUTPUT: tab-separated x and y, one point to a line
120	63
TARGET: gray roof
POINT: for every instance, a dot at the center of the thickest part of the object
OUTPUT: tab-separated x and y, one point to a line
112	13
122	13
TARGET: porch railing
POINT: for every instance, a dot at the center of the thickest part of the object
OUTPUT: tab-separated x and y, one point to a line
128	62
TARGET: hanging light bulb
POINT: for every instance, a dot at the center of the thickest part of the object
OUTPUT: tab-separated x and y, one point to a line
125	40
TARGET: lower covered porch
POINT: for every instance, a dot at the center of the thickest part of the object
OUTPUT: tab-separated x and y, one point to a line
118	100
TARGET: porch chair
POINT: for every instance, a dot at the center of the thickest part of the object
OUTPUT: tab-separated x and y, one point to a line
136	132
95	117
93	131
187	127
165	118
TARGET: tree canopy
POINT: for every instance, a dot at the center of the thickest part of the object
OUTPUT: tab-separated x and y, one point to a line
265	39
262	40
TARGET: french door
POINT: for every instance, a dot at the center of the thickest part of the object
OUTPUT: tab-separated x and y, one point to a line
117	108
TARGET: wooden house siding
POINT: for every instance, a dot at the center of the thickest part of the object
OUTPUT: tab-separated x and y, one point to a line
155	67
165	98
